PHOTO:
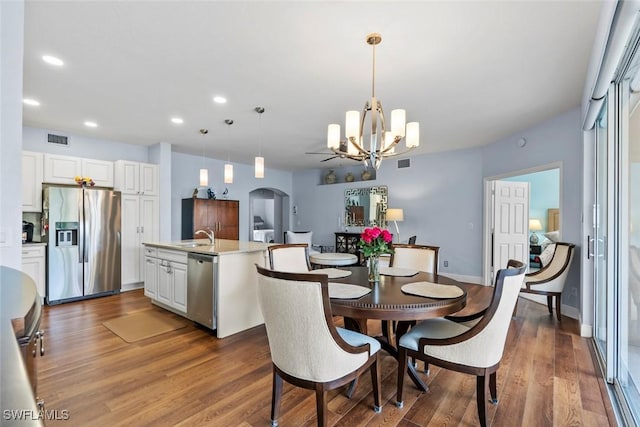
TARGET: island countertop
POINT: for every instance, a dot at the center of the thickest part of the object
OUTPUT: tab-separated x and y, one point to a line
203	246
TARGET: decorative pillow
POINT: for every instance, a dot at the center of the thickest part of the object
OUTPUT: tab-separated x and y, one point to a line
547	254
546	242
554	236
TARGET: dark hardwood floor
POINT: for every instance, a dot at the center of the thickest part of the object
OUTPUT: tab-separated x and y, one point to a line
188	377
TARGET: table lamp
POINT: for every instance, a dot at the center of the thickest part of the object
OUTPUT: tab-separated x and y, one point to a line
395	215
534	225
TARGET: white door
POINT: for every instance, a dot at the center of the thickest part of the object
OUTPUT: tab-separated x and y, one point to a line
130	239
510	224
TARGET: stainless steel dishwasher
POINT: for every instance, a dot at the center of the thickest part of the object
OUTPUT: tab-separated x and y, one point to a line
201	272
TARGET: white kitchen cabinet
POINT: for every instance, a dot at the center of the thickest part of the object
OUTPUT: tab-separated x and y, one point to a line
63	170
170	281
139	223
35	265
32	175
150	277
136	178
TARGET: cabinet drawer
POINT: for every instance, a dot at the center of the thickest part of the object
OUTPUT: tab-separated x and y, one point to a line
32	251
175	256
152	252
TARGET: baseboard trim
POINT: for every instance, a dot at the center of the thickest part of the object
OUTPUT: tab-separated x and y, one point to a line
132	286
466	279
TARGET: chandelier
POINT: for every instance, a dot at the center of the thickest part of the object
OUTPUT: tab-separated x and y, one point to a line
382	142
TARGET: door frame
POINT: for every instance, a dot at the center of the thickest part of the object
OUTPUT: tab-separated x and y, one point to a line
488	210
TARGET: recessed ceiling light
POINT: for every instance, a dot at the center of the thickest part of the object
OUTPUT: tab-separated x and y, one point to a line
91	124
219	99
177	120
32	102
53	60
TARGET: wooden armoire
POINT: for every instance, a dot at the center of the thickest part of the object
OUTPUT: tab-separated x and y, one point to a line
220	216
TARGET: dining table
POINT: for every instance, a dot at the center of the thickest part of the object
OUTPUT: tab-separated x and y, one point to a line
399	310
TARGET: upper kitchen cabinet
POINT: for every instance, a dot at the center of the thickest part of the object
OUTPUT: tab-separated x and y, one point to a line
63	170
32	181
219	216
136	178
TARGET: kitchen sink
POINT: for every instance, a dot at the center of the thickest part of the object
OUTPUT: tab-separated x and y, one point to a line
192	245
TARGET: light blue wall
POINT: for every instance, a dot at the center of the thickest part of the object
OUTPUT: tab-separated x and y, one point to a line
556	140
185	177
441	195
11	53
544	193
35	139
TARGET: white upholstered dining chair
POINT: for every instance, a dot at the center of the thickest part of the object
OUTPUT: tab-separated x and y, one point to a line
307	350
291	258
421	257
550	279
300	237
475	350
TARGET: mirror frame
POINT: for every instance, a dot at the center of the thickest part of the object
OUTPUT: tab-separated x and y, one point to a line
376	219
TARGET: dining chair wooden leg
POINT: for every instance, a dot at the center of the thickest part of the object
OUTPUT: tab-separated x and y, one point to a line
402	369
375	381
276	395
321	405
482	387
493	388
558	306
550	303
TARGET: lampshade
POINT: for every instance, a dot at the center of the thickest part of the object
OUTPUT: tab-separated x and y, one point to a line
228	173
395	214
259	167
535	225
204	177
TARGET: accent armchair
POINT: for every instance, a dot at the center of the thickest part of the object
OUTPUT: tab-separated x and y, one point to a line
475	350
300	237
307	350
550	279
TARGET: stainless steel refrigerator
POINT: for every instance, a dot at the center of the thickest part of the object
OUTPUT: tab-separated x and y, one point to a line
82	228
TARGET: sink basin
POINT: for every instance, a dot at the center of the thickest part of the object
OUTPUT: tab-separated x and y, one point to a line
192	245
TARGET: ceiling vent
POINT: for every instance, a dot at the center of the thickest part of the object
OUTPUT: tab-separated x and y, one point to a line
57	139
404	163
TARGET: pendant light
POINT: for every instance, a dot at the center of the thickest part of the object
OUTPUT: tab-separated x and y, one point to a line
204	173
259	162
228	167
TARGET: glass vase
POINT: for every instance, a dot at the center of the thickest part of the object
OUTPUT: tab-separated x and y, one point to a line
374	270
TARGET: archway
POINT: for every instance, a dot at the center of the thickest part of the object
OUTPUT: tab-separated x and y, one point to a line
268	215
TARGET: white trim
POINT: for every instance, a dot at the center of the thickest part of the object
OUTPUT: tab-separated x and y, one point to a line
132	286
466	279
586	331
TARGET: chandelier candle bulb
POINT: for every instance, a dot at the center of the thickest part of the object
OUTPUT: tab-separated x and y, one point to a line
352	124
388	143
413	134
398	120
333	137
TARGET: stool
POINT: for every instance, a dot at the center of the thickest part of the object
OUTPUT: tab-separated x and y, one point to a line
333	259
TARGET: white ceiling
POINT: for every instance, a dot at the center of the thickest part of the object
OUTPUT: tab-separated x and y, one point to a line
469	72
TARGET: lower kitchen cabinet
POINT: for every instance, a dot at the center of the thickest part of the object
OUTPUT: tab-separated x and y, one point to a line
166	278
35	265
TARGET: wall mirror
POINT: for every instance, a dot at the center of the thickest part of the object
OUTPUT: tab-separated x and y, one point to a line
365	207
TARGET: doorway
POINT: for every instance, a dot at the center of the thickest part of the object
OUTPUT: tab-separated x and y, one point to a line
545	201
268	215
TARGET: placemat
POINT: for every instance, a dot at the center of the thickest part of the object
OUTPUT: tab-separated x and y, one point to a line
398	271
347	291
332	273
432	290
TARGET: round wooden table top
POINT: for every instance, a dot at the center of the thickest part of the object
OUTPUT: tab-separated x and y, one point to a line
386	301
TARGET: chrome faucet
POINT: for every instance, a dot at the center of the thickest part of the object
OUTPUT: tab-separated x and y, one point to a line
209	234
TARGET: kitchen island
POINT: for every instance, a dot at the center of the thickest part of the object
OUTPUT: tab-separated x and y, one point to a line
235	298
